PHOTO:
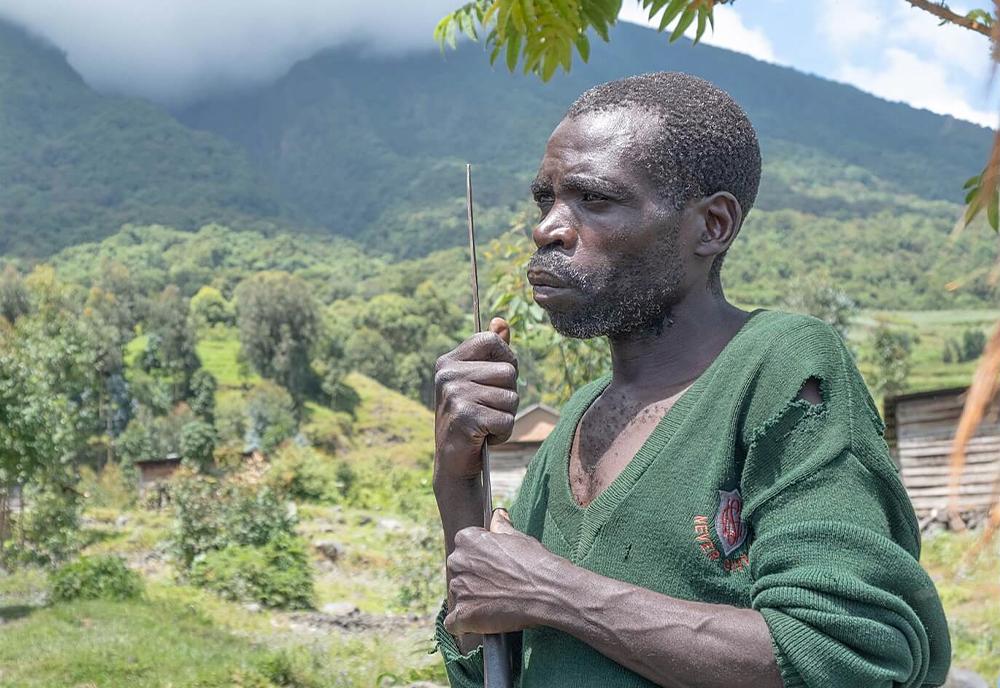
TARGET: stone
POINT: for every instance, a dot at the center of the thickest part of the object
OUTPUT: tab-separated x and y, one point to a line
329	549
121	521
252	607
340	609
963	678
390	524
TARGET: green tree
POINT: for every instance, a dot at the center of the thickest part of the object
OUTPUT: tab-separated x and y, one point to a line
818	296
170	354
202	399
13	294
198	444
278	321
210	308
890	359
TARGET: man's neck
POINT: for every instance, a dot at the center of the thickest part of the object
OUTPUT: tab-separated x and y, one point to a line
652	366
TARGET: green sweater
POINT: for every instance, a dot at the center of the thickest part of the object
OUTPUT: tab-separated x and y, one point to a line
746	495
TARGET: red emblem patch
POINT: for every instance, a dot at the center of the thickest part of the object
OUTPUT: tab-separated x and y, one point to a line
729	524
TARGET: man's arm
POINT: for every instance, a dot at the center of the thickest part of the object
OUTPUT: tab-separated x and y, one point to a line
505	581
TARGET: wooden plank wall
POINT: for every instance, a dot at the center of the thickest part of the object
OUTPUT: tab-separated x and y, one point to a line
924	430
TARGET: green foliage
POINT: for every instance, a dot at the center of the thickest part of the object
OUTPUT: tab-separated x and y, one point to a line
202	399
818	296
212	513
419	571
890	357
110	487
278	323
91	578
543	35
968	348
271	417
304	474
49	530
210	308
198	444
276	574
13	295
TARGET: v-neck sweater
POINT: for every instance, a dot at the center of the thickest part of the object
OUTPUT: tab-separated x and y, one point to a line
746	495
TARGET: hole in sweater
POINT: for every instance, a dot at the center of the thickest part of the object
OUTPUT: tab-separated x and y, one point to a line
811	392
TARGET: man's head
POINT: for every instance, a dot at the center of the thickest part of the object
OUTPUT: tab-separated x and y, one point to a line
643	186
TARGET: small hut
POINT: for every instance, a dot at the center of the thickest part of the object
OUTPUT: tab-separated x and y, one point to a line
153	473
509	461
920	429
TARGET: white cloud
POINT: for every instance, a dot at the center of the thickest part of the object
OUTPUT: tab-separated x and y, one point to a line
169	50
919	82
730	31
848	23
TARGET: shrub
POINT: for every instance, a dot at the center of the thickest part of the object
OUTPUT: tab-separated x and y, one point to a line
213	513
330	432
277	574
112	486
89	578
419	571
304	474
49	531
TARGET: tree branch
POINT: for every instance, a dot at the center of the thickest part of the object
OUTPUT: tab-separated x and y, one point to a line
943	12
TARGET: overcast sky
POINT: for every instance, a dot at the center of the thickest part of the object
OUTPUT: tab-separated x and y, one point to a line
172	50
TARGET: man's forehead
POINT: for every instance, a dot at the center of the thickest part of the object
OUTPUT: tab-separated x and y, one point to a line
600	142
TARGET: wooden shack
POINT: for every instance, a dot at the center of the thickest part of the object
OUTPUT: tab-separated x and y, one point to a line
509	461
154	472
920	429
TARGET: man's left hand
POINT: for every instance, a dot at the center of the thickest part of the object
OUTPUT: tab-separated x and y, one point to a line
501	579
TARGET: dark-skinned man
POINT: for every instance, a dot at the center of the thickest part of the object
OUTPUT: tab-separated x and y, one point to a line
721	509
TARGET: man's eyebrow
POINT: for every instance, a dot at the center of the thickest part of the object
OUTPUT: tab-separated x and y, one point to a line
540	185
578	182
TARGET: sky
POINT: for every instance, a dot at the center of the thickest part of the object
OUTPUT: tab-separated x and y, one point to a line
172	51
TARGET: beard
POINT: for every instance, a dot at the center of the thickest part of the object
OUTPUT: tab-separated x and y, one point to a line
632	296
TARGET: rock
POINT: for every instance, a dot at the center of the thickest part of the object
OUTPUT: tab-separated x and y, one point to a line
253	607
364	520
340	609
121	521
329	549
390	524
963	678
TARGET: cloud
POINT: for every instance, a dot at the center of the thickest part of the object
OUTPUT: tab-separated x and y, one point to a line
848	23
730	31
173	50
919	82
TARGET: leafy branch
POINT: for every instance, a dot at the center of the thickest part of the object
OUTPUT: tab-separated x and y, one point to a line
978	20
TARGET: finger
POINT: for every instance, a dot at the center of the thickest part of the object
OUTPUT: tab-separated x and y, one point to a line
499	327
483	372
450	624
485	346
501	523
496	398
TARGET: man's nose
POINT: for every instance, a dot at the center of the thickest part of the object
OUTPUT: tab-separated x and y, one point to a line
555	228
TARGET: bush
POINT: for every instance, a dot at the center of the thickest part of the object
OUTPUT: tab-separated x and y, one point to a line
112	486
304	474
90	578
419	571
277	574
49	531
213	513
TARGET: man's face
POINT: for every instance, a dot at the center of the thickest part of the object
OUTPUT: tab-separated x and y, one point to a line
611	253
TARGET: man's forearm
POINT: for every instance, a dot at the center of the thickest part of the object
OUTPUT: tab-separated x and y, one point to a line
672	642
460	503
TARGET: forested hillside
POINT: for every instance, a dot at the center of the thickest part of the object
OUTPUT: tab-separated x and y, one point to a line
76	165
371	148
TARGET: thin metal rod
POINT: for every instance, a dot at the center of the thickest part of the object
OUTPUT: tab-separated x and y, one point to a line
496	654
472	247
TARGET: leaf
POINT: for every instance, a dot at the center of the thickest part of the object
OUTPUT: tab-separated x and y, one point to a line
673	9
683	24
583	46
513	51
702	18
972	181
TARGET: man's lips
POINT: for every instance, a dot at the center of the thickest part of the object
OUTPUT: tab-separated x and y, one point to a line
540	278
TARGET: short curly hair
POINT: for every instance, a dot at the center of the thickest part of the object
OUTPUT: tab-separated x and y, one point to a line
704	142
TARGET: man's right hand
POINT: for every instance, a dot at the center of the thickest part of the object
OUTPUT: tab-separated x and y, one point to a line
475	401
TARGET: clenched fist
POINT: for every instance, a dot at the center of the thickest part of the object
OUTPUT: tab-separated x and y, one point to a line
475	388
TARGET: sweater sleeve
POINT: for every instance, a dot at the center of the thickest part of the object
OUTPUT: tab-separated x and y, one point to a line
834	555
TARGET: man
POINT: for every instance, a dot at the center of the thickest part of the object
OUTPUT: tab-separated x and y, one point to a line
720	510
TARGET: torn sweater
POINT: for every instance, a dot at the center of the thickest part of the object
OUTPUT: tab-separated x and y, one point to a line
745	495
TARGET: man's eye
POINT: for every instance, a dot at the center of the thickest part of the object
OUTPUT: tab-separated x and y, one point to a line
591	197
544	200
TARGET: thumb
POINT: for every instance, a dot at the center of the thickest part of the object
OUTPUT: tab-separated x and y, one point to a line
501	523
500	327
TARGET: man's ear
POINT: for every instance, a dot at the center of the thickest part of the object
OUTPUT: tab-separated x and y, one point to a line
721	216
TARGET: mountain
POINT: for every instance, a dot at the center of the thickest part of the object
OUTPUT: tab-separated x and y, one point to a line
76	165
373	146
